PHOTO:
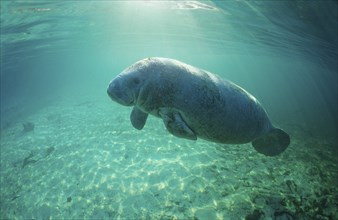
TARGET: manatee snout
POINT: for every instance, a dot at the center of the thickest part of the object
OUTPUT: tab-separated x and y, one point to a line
112	90
119	93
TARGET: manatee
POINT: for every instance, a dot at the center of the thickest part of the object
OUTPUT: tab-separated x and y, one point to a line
194	103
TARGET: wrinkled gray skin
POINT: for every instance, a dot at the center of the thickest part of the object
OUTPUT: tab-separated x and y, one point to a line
195	103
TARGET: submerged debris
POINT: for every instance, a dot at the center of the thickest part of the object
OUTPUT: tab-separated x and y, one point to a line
256	215
28	126
36	156
28	160
49	151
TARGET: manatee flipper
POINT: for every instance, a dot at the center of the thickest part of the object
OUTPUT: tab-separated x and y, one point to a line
175	124
272	143
138	118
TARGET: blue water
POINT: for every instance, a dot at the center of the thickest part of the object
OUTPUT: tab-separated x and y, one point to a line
80	158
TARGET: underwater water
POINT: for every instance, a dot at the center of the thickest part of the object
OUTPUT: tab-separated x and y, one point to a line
69	152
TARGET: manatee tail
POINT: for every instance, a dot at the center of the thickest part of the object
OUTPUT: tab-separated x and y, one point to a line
272	143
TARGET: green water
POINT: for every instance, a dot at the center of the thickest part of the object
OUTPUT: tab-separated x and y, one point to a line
84	160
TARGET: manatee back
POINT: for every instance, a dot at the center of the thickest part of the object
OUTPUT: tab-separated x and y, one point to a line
227	114
215	109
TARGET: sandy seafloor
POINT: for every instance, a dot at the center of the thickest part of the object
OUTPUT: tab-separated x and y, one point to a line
84	160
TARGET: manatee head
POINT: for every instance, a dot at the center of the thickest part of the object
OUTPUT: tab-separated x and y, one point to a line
125	87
